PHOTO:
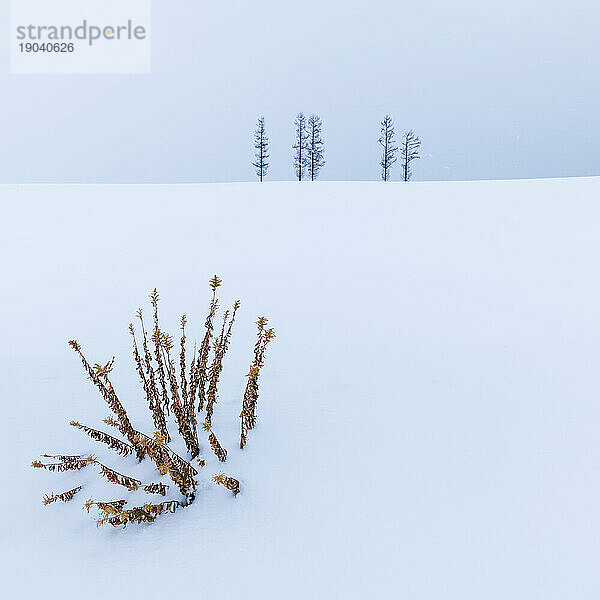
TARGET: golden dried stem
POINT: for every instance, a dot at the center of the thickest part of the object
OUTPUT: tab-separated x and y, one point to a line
250	400
219	451
119	446
64	497
229	482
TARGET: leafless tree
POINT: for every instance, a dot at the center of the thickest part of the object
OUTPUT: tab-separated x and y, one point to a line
316	159
261	144
300	147
386	139
409	150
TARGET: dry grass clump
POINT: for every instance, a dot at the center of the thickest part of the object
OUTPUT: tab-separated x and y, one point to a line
175	392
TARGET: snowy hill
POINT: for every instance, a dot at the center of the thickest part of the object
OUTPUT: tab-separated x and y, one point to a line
429	418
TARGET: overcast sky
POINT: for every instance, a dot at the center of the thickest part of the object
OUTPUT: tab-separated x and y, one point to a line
497	89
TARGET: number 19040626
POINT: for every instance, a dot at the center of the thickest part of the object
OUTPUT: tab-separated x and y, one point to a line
56	47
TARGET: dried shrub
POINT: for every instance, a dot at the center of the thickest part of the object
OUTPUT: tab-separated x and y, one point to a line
173	392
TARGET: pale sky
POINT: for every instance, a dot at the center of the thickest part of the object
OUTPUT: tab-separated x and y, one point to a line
494	89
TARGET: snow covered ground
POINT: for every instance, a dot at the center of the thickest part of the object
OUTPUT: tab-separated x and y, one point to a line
429	419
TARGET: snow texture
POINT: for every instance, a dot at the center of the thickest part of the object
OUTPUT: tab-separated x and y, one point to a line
429	418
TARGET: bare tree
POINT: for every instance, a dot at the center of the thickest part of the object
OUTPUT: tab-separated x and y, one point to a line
388	157
261	144
300	147
409	149
316	159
